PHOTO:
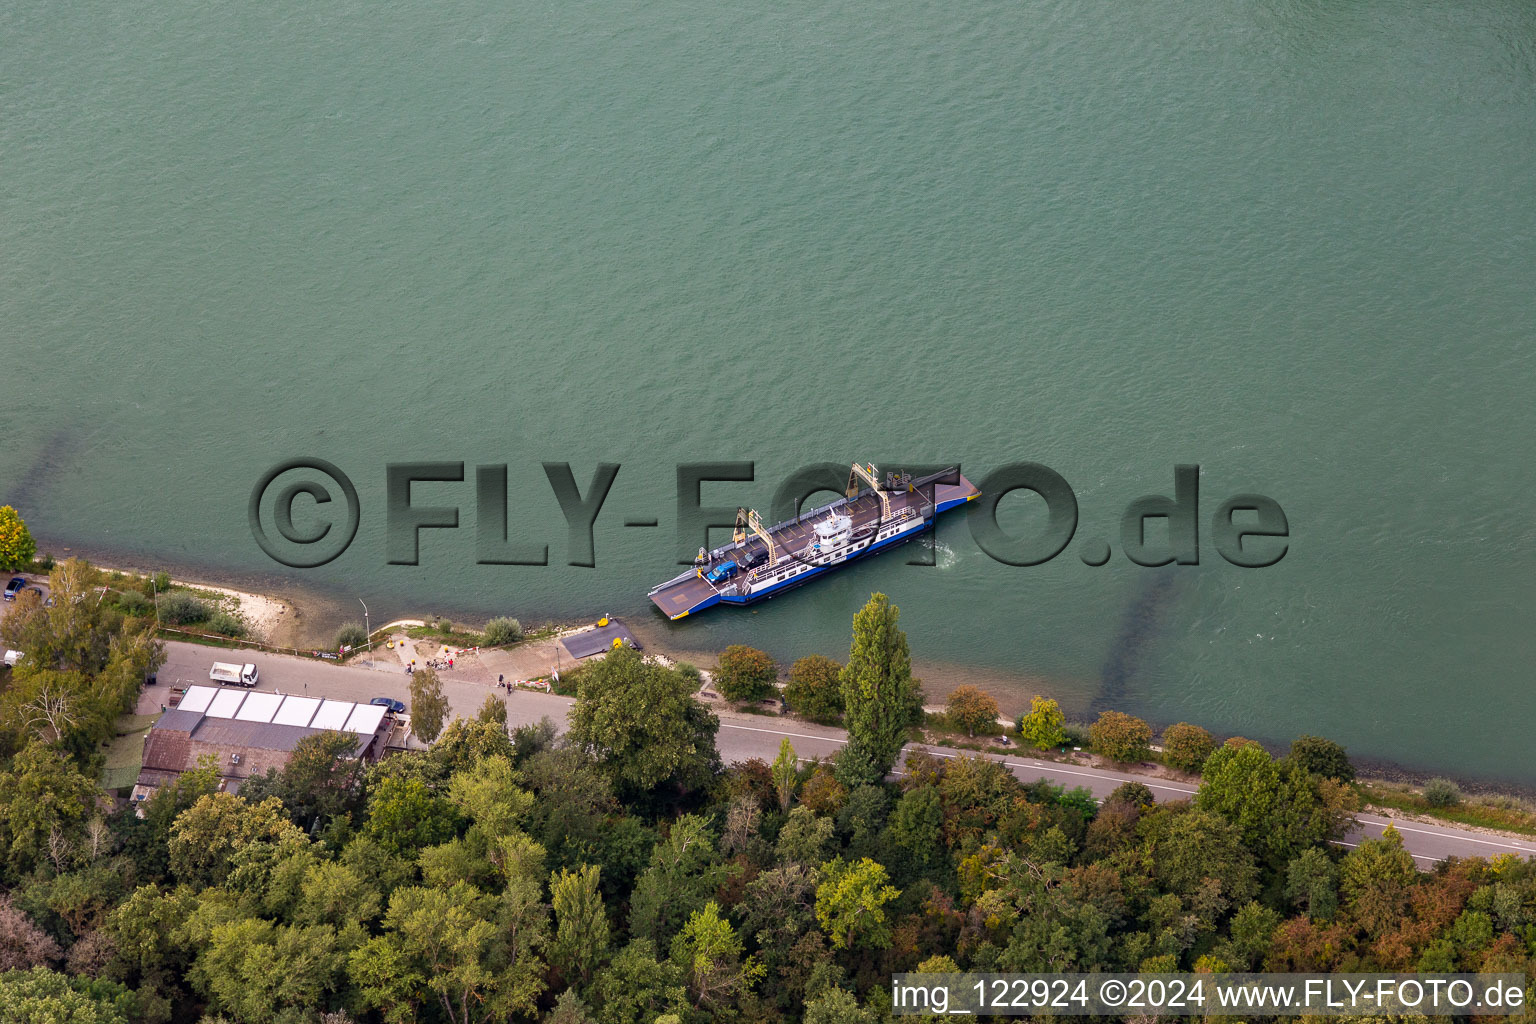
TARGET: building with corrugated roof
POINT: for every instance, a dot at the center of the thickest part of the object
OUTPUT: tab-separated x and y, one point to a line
250	733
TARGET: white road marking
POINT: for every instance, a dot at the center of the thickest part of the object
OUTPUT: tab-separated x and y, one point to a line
1455	836
1415	856
791	735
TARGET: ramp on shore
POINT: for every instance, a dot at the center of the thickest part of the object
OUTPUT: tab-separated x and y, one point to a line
596	641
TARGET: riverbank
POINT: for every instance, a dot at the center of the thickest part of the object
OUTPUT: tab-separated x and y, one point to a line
307	618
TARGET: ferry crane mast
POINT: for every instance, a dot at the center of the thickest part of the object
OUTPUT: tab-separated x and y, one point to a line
746	519
872	477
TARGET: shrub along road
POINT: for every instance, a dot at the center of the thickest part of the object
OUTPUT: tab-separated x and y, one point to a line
742	737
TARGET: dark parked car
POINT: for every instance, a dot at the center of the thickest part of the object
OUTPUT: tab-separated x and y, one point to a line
389	702
14	587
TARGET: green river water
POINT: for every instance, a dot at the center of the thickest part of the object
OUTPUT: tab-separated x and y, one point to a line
1293	241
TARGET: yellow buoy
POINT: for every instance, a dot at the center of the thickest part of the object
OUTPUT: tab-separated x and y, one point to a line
617	642
603	621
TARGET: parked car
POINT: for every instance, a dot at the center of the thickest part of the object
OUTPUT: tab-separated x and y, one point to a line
389	703
16	586
724	571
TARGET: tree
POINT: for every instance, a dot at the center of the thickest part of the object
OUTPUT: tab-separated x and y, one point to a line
404	816
1376	879
1120	737
637	988
336	894
321	781
487	795
805	837
838	1006
850	903
455	948
71	636
42	795
1042	727
1132	794
1251	927
1322	757
570	1009
207	835
429	707
1278	806
641	723
878	693
971	708
493	711
1187	847
778	907
581	923
261	972
786	774
465	742
685	869
746	674
815	689
917	824
17	548
23	945
710	951
742	820
1312	884
1186	747
83	668
40	996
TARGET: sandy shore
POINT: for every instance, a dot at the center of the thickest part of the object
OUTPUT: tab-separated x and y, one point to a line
265	616
270	619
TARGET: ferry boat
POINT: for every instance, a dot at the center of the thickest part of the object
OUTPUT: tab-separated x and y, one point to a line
764	561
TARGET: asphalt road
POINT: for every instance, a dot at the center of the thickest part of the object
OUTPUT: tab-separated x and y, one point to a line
742	737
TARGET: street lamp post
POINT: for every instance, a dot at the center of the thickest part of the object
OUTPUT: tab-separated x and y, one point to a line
369	637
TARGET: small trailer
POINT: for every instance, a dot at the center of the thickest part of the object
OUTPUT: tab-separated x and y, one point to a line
227	674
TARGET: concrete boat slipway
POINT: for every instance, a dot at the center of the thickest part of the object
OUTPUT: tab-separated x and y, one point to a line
763	561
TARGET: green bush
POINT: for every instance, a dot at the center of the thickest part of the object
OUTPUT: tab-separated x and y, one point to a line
503	630
814	689
746	674
1120	737
1442	793
180	608
1078	735
351	635
225	624
1132	794
134	603
972	709
1044	726
1186	746
1322	757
